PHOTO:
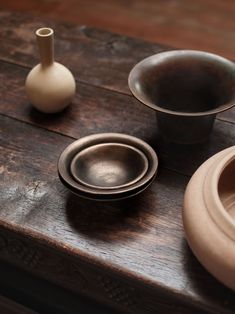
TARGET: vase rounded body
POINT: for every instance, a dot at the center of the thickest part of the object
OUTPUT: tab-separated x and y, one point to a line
50	86
50	89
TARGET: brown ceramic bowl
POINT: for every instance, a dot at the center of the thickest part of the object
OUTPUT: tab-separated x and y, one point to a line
186	88
209	215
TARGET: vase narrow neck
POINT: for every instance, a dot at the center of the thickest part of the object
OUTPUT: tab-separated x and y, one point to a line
45	39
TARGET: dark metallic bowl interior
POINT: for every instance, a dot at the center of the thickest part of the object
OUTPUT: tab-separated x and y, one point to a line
68	155
184	81
109	165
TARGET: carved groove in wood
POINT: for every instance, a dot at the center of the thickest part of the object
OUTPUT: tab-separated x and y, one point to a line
118	293
43	261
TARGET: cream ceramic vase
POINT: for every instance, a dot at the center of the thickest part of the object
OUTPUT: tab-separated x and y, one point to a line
50	86
209	215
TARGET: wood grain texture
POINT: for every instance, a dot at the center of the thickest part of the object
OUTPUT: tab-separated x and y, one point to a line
95	57
7	306
85	116
131	255
203	24
43	296
78	48
131	239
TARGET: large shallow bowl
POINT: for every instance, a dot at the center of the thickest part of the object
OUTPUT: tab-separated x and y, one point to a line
186	88
209	215
107	166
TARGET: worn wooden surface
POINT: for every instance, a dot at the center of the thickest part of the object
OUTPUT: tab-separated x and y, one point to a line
7	306
132	254
42	296
202	24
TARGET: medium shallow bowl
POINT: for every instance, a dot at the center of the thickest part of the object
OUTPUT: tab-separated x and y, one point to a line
208	215
108	166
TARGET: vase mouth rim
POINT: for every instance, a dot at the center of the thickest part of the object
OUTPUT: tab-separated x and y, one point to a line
164	57
213	201
44	32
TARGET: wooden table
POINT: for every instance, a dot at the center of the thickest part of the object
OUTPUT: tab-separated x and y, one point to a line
131	255
19	288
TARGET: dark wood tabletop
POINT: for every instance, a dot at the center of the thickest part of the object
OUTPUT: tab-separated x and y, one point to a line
131	255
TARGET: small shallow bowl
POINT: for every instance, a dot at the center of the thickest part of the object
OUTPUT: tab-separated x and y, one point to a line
108	166
209	215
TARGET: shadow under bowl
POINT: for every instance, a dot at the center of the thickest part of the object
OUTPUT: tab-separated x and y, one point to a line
186	88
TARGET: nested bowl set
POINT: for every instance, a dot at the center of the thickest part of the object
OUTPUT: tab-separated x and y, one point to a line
186	89
108	166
